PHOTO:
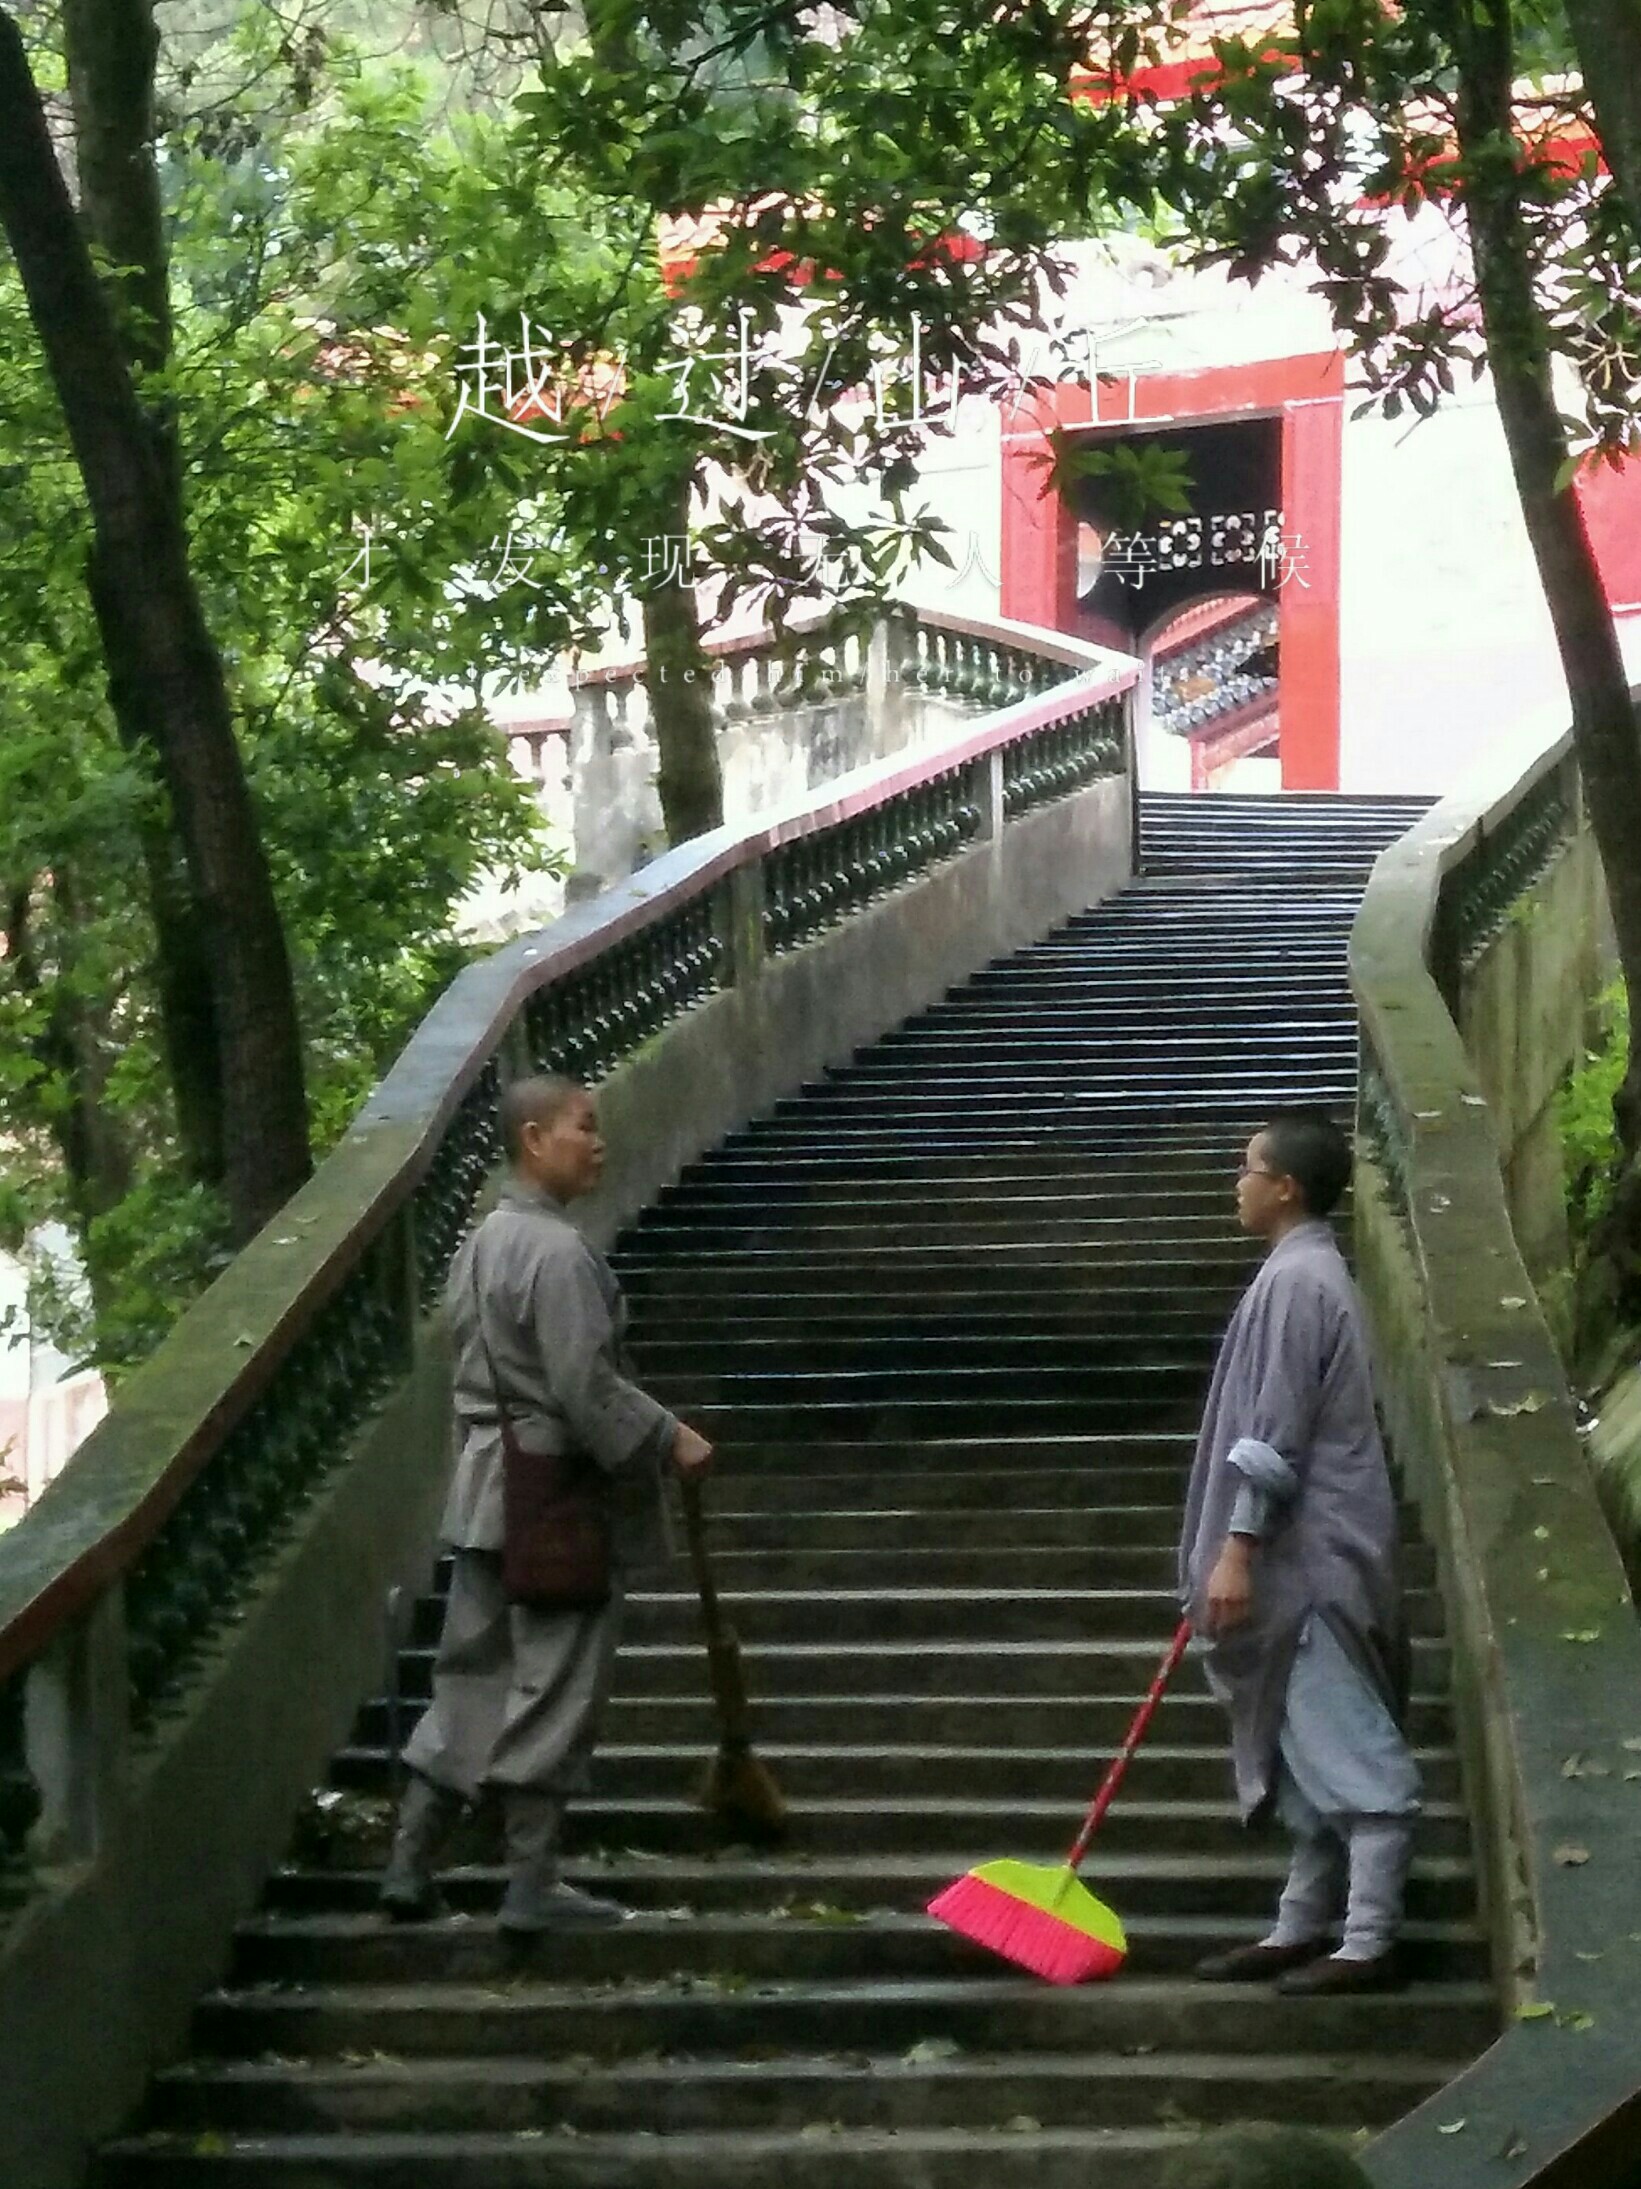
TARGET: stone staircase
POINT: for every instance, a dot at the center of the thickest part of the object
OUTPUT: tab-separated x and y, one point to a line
950	1316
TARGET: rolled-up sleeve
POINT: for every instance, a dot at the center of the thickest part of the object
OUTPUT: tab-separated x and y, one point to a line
610	1418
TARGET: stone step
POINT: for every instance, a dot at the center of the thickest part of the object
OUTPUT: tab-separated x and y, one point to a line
1097	1229
1243	1883
1083	1259
937	1614
1199	1159
978	2012
931	1669
1032	1327
871	1477
937	1064
1166	1769
907	1527
1098	1457
1159	1402
858	2089
841	1946
981	1720
956	1831
1104	1387
1111	1184
1063	1289
815	2156
971	1830
1105	1556
964	1112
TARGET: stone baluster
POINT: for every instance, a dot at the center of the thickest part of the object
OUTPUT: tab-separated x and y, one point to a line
76	1734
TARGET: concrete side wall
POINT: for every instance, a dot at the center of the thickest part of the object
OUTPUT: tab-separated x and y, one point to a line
1524	1016
100	1972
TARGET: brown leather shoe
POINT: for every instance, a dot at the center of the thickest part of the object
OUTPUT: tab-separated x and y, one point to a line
1258	1964
1334	1976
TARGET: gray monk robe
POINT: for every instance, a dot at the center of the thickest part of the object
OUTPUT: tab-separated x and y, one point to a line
518	1694
1290	1452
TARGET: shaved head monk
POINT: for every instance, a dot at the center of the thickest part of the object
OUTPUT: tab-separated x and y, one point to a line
1288	1567
538	1324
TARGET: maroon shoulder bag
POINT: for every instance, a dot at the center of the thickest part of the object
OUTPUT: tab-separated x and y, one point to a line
555	1553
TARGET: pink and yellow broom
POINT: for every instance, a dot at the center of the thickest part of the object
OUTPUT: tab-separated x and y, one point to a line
1044	1919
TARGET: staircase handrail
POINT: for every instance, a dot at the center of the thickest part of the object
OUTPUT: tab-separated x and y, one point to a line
1545	1640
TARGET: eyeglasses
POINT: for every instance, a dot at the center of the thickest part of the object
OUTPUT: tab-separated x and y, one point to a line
1253	1170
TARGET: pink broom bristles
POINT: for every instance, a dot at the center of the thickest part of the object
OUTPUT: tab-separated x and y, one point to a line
1029	1937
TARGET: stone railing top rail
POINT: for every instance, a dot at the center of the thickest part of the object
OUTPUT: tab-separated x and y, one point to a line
1541	1606
174	1411
811	622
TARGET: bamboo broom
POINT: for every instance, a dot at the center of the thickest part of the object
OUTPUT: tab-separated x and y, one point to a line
738	1788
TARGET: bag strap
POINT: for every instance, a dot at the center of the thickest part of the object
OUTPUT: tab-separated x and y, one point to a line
502	1414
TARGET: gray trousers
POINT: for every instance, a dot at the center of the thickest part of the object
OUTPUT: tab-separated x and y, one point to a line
1348	1790
518	1695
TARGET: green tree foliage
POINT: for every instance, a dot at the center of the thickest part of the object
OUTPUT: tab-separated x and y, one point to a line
305	256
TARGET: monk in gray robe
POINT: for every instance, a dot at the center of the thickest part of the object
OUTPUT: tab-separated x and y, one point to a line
1288	1568
518	1693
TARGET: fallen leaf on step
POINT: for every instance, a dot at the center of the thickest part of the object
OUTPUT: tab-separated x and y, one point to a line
1534	2010
1601	1956
1633	1744
1023	2125
1512	1299
210	2145
530	2135
1581	1634
1533	1402
813	2129
1450	2128
1513	2146
1578	2019
928	2051
1572	1858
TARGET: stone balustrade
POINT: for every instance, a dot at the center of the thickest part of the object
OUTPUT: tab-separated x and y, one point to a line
1481	902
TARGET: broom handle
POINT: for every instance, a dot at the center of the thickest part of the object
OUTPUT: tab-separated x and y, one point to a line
1136	1733
696	1536
722	1643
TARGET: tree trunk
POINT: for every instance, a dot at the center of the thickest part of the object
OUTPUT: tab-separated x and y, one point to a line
74	1047
112	47
1605	734
161	660
688	775
1607	34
